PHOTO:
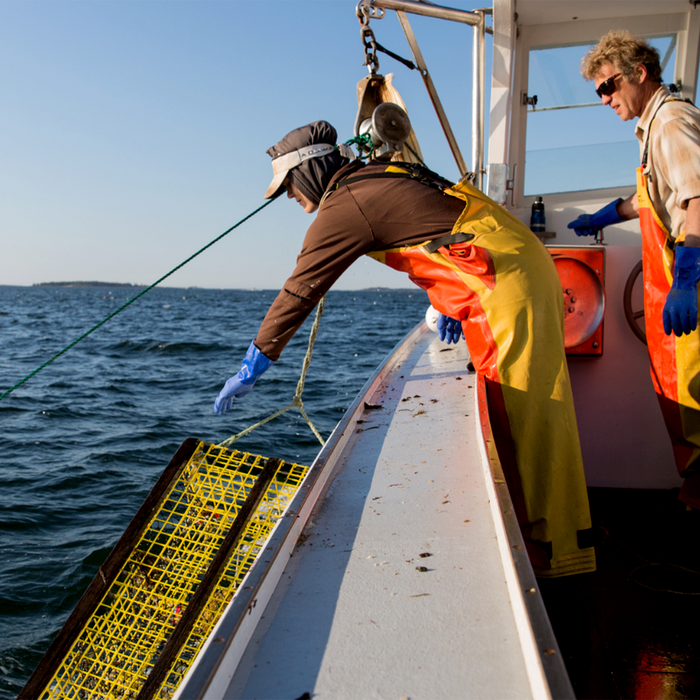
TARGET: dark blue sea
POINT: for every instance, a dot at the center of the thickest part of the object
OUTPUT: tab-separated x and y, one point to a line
83	442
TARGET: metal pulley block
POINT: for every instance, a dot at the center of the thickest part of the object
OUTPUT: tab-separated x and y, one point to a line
388	129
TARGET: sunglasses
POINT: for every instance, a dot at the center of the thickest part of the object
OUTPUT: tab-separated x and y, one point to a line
607	87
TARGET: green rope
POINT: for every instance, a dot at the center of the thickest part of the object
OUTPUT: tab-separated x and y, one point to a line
131	301
420	160
365	147
363	143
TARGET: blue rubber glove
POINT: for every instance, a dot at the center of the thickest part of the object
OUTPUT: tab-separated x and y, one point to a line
254	364
681	307
588	224
449	329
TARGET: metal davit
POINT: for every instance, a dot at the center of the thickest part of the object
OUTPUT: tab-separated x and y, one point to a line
156	599
375	9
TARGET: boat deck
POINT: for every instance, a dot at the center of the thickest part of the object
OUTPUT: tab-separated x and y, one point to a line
627	630
402	584
400	578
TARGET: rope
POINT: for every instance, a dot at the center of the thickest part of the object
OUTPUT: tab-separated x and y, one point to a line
296	401
131	301
649	564
363	143
670	567
365	147
420	160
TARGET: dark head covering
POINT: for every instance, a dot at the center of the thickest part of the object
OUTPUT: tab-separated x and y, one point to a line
312	176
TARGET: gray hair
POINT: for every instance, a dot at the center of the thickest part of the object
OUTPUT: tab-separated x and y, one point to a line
625	52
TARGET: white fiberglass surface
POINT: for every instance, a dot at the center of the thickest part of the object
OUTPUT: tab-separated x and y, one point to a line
397	588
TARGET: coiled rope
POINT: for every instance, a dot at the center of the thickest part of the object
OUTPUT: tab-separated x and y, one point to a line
131	301
637	574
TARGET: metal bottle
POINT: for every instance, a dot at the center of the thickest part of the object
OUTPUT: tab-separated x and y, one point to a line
537	217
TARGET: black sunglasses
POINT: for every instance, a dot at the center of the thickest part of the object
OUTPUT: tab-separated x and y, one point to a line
607	87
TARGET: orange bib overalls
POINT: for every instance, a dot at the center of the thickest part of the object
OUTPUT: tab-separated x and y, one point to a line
502	285
675	362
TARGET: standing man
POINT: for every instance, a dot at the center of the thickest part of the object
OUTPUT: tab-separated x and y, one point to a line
627	75
479	266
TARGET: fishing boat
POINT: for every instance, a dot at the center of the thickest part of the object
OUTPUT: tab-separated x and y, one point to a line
398	569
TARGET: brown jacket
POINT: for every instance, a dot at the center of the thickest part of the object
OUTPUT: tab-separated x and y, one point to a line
354	220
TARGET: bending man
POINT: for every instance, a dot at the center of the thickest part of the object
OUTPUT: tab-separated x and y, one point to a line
480	266
627	75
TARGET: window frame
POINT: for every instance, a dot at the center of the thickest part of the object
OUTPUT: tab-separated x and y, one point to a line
686	26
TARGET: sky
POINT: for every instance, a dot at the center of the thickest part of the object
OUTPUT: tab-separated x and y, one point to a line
132	133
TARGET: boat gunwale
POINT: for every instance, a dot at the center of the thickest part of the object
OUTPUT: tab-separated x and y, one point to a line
536	629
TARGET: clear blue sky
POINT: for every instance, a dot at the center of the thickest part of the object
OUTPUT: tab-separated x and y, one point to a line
134	132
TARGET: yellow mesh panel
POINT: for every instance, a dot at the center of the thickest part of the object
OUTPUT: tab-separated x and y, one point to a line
121	641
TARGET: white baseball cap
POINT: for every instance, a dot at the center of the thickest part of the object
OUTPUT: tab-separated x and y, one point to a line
281	165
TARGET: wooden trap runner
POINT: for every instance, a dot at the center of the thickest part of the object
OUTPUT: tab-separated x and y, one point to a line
145	616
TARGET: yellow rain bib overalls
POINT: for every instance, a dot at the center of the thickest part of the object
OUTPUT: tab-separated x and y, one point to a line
494	276
675	361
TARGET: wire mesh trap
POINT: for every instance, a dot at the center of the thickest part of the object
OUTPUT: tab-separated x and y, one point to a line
149	610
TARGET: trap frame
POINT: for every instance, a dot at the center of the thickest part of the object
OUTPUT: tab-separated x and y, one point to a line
145	616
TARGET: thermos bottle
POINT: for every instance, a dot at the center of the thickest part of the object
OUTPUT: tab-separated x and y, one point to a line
537	217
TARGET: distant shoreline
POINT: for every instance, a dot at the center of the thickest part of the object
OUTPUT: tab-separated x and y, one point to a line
129	285
86	284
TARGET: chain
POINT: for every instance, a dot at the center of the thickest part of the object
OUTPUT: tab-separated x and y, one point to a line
370	44
365	11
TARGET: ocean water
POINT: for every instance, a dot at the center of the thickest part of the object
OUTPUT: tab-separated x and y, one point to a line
83	442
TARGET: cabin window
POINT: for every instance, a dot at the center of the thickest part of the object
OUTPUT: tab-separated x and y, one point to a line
574	143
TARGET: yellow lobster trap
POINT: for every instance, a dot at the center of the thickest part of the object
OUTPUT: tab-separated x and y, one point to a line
143	619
